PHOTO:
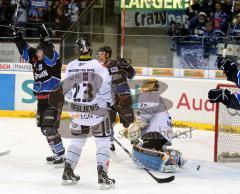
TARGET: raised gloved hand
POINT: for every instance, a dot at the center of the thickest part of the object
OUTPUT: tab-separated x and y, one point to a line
226	65
123	62
15	31
219	95
44	36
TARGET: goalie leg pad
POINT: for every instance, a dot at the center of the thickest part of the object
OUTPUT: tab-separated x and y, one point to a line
175	157
151	160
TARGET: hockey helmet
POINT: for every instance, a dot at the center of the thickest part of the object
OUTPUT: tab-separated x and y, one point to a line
106	49
82	46
150	85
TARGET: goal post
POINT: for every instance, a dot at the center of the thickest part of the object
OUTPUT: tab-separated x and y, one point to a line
227	130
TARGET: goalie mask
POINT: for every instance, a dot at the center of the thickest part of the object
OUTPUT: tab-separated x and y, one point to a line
150	85
82	46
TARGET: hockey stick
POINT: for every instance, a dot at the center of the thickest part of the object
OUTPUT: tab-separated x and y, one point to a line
228	30
159	180
16	12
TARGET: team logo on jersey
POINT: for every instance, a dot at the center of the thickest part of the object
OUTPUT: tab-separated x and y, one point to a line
114	69
41	75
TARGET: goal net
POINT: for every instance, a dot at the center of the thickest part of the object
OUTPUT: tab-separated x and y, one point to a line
227	131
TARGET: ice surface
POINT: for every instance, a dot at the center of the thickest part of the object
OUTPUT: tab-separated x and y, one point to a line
24	170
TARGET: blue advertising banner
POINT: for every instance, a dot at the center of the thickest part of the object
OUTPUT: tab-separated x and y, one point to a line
7	93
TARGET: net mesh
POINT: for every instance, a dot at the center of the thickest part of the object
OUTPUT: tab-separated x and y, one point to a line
228	141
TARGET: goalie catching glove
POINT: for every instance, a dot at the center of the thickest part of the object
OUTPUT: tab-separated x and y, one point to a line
133	132
220	95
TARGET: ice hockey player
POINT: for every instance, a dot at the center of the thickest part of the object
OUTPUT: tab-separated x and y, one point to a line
120	71
92	95
46	65
225	96
154	126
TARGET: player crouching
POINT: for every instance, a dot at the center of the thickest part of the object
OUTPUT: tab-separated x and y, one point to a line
153	126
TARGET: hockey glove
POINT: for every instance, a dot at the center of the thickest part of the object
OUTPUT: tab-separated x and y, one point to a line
226	65
15	31
220	95
44	36
123	63
134	131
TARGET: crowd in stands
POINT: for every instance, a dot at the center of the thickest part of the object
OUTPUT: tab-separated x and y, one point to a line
56	14
208	21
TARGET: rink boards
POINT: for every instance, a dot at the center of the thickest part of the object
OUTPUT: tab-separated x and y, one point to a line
190	107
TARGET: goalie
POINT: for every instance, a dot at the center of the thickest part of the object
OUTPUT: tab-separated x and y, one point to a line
153	126
225	96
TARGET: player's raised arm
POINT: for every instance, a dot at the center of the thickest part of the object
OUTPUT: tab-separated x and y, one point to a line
229	68
27	52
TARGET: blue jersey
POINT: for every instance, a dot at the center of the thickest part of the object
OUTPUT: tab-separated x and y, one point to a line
47	72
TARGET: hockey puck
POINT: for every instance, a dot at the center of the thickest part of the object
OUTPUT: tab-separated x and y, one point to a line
198	167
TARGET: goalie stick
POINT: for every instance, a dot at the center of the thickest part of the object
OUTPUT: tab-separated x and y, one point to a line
159	180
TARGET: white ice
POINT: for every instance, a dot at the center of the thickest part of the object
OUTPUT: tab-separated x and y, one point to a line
24	170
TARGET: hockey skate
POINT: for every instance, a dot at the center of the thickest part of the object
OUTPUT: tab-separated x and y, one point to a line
57	161
50	159
68	177
104	180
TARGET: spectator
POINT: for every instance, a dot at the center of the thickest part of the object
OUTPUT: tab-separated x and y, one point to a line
197	24
193	10
175	32
61	22
210	40
37	11
206	6
237	7
227	6
219	18
2	12
72	11
2	19
235	30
